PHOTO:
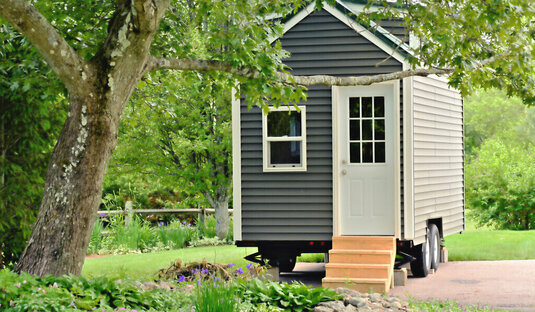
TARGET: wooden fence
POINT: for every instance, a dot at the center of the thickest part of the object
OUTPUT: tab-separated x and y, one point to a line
129	212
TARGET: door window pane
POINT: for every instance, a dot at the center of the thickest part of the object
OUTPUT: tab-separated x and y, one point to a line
380	152
282	123
367	132
367	152
354	152
379	106
354	129
354	107
379	129
285	152
367	107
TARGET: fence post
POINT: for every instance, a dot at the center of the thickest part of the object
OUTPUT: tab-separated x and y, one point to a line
201	214
129	212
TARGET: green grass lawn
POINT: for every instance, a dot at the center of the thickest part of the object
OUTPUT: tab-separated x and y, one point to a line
145	266
473	244
488	244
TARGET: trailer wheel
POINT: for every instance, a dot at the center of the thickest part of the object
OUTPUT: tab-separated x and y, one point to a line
435	246
285	264
422	263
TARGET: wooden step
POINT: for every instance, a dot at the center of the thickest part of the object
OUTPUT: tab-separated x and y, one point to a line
360	256
358	270
364	285
364	242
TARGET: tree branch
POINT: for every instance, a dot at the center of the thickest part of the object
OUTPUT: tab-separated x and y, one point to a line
247	72
59	55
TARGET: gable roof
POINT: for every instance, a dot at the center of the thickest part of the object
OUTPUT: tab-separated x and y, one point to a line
346	12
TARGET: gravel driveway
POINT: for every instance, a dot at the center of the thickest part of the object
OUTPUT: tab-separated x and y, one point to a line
506	285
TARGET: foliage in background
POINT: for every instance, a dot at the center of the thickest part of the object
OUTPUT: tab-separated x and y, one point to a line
177	131
500	165
32	111
500	184
140	236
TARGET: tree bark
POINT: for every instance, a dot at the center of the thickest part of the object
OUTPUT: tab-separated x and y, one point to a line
220	205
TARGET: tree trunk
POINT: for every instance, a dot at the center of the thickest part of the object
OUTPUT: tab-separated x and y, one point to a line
221	216
73	189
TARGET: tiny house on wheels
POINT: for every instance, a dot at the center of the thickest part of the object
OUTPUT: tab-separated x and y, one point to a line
362	173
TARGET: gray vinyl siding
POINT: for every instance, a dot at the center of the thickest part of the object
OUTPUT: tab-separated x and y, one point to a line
438	156
299	205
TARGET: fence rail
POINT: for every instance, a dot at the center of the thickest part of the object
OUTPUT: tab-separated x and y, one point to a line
129	212
103	213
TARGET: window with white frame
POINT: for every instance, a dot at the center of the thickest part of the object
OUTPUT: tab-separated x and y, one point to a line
284	139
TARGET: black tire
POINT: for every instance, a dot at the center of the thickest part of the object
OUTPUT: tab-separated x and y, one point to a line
422	263
434	244
285	264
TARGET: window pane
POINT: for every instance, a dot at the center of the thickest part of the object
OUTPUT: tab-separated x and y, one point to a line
285	152
380	152
284	124
379	106
367	152
354	107
354	152
367	107
379	129
354	129
367	130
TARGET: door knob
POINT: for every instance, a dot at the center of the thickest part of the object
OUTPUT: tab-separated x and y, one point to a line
344	172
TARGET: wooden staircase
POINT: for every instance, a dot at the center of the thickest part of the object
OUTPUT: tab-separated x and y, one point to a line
362	263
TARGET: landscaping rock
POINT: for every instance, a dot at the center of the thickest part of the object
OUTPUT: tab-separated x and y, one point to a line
149	286
360	302
334	306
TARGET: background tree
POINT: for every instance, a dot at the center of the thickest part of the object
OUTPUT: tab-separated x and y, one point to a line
178	129
32	110
500	169
100	51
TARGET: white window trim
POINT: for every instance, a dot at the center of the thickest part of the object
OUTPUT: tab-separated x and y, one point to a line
302	139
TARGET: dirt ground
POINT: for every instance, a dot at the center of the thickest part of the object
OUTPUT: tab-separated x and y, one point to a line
508	285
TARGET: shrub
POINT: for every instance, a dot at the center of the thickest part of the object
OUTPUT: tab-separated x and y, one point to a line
500	184
290	297
27	293
177	234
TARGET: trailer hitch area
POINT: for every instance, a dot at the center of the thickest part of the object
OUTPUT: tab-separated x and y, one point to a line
256	258
401	259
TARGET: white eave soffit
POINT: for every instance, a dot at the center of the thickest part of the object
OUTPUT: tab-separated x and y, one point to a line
361	30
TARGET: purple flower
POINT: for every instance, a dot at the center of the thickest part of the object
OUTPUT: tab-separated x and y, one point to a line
204	271
101	214
195	271
230	265
239	271
250	266
161	223
181	279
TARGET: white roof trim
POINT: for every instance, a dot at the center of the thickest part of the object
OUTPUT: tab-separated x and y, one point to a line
361	30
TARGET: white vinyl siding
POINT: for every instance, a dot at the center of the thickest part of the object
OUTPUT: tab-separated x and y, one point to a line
438	156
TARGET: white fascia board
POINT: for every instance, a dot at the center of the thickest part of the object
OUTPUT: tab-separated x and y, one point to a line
408	158
236	162
296	19
361	30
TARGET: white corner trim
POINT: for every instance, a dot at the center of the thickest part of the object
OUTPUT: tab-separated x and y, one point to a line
397	161
365	33
236	162
335	99
302	138
408	159
296	19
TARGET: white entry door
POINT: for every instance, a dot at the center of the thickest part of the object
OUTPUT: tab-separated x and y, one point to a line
366	160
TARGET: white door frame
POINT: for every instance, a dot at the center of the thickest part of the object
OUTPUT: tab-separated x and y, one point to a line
336	157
